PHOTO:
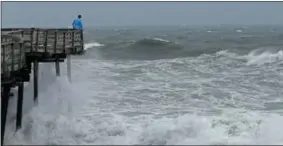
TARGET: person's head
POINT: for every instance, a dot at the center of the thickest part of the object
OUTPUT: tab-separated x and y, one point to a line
79	16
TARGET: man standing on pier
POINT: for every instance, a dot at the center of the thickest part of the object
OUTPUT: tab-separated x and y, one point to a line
77	23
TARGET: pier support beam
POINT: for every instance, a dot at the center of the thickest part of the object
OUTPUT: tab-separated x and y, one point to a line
20	105
4	108
69	68
35	80
57	66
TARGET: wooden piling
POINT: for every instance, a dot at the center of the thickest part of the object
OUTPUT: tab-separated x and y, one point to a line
20	105
35	80
4	108
57	67
69	73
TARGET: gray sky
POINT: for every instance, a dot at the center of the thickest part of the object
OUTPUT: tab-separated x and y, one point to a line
61	14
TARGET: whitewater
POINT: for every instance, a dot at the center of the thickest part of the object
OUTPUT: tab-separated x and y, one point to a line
188	96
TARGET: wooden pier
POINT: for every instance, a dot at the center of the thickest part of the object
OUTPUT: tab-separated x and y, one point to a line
21	51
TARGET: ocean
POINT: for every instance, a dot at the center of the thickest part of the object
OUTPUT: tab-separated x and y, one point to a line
172	85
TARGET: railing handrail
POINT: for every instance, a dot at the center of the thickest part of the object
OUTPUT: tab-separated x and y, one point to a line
16	39
51	29
12	31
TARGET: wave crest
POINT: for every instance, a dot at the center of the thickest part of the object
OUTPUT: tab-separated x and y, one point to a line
264	55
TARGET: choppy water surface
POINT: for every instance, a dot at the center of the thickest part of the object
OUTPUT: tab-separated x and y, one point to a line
162	86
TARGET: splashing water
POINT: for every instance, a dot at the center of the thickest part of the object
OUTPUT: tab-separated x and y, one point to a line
83	113
265	57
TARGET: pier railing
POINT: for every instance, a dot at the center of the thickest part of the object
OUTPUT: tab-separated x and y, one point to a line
50	41
12	55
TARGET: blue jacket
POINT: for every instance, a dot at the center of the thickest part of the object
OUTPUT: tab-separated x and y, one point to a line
77	24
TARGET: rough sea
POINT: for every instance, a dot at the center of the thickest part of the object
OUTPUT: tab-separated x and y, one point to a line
161	86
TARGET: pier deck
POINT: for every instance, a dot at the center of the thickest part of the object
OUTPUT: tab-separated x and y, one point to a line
22	47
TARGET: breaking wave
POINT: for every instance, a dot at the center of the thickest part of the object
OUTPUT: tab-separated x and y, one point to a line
265	55
91	45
